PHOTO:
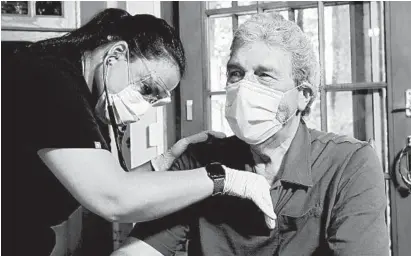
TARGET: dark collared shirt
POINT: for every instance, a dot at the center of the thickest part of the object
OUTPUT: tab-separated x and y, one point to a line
329	200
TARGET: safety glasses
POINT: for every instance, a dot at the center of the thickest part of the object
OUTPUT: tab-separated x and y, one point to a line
152	87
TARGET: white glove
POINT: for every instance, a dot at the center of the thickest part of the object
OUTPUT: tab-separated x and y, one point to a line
251	186
164	161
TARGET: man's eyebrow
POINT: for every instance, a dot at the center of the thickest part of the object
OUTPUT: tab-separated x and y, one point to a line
234	65
267	69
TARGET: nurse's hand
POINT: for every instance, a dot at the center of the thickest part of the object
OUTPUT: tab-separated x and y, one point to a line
251	186
163	162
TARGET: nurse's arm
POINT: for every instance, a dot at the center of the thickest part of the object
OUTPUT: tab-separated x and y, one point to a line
97	181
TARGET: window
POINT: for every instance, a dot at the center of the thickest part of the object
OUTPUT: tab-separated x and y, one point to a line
349	40
39	15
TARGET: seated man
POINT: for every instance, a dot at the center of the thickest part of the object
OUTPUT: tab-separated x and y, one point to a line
327	190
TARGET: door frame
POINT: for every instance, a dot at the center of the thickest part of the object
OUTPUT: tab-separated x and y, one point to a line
398	57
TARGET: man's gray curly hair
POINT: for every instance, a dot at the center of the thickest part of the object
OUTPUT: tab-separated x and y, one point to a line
274	30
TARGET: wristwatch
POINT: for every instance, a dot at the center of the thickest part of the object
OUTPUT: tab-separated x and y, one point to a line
217	174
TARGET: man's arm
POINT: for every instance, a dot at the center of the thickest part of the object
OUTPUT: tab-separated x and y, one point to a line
135	247
358	224
164	236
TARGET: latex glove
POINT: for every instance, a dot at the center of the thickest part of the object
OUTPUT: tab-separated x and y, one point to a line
164	161
251	186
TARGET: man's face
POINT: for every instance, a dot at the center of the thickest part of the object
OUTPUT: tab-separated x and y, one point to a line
267	66
258	62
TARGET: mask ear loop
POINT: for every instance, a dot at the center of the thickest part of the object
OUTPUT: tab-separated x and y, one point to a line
296	111
112	117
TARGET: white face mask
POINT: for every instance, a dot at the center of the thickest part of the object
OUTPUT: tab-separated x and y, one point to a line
128	105
255	112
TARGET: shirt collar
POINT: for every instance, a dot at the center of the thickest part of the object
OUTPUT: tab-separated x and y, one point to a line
296	164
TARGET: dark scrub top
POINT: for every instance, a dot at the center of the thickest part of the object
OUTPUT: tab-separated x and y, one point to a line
51	107
329	199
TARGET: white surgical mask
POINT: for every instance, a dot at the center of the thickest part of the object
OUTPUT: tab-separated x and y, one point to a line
255	112
128	105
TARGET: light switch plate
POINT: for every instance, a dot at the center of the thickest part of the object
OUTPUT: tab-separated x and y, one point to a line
189	110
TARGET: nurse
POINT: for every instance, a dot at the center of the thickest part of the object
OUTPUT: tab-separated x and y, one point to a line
67	90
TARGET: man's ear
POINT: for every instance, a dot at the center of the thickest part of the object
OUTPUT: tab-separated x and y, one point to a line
305	94
116	52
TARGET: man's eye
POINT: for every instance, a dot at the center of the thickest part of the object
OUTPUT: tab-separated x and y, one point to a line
234	73
266	77
234	76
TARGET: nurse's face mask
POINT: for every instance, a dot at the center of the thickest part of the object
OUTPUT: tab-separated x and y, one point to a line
132	102
255	112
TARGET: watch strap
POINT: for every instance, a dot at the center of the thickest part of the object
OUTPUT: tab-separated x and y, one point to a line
216	172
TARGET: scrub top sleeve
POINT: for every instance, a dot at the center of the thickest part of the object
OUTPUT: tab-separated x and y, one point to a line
51	109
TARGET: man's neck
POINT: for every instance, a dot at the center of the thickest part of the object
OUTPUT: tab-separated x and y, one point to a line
269	155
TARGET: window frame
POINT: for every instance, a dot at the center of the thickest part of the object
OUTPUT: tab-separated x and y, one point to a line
69	20
236	11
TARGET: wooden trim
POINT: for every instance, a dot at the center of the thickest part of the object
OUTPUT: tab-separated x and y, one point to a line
354	86
398	65
333	87
260	7
212	93
321	48
36	29
169	12
390	127
192	84
291	14
230	11
206	67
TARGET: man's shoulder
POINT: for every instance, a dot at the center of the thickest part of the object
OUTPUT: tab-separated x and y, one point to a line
337	144
229	151
343	154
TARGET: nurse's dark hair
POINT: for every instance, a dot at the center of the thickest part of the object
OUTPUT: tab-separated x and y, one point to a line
144	34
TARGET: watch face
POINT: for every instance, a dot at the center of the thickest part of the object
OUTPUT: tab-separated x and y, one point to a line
216	170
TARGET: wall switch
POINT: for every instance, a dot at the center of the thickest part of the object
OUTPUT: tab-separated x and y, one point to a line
189	110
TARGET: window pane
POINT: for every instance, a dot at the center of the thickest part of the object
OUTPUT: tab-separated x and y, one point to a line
282	13
220	37
337	44
243	18
242	3
49	8
354	55
218	121
313	120
218	4
340	113
307	20
14	7
376	35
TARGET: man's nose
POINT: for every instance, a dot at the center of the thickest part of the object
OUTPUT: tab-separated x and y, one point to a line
250	76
